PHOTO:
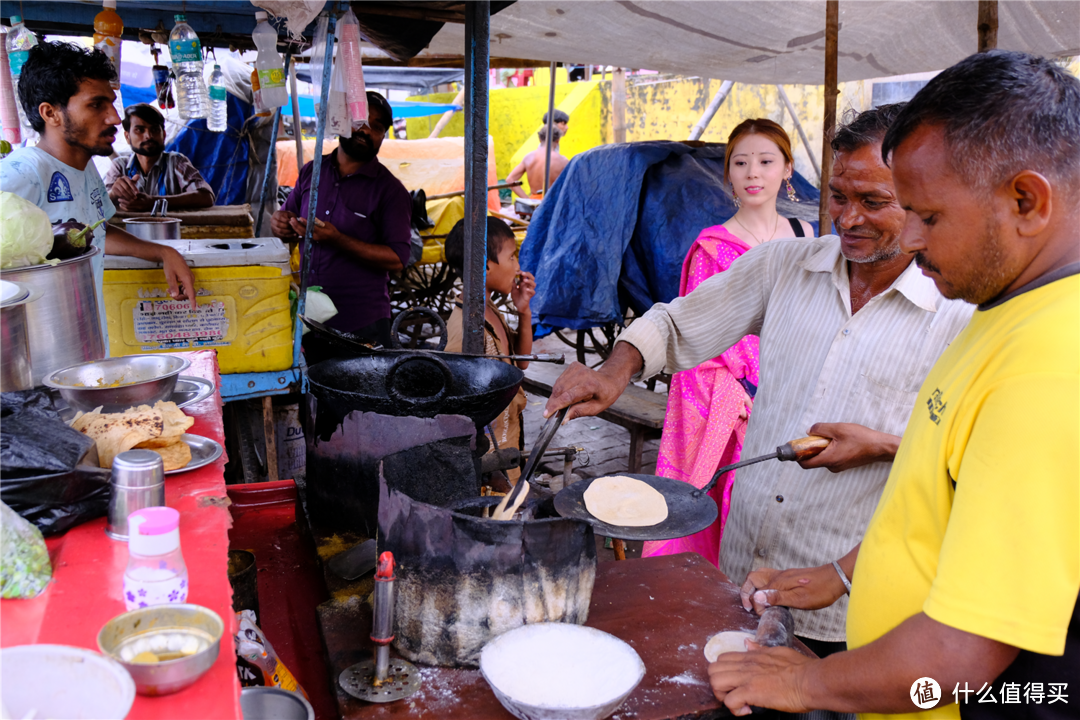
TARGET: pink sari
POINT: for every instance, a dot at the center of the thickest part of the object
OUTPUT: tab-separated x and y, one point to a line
702	428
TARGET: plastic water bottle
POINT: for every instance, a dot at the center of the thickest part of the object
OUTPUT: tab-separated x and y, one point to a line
9	112
256	96
163	86
355	94
271	71
219	109
186	50
156	573
108	28
19	41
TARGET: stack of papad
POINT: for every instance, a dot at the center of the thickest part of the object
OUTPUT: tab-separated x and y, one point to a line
159	428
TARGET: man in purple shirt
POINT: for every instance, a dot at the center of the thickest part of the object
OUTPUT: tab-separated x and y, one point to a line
362	229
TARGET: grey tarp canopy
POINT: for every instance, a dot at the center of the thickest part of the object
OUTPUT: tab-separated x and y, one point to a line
766	42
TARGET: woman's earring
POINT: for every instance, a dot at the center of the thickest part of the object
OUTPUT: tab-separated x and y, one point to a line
738	203
791	191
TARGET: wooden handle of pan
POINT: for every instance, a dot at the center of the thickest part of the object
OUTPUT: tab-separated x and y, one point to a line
803	448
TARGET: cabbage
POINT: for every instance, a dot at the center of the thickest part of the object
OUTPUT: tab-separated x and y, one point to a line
25	232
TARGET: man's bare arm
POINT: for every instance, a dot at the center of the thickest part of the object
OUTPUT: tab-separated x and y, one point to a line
590	392
515	175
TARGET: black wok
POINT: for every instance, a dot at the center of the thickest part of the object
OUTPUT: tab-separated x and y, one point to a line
416	384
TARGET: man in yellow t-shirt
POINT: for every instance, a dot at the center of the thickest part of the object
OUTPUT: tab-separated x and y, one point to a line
964	589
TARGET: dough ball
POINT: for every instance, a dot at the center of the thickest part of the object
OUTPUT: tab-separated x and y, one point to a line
725	642
621	500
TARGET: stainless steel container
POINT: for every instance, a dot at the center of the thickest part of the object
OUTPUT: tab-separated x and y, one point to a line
260	703
154	228
138	482
118	383
15	372
63	324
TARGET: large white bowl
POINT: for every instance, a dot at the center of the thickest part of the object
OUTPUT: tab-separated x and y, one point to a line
62	682
559	671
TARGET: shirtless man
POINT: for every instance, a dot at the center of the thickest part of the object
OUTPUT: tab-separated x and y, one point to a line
533	165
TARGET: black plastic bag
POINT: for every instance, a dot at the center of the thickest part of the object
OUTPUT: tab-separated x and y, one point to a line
48	471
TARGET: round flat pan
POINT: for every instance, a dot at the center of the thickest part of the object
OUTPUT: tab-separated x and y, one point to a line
689	510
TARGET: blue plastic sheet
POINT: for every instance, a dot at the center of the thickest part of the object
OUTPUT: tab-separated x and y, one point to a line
222	158
615	227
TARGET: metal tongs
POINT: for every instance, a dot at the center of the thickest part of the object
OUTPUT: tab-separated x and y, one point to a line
515	497
161	206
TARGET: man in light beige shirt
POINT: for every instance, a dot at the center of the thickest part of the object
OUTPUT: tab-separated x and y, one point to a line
849	328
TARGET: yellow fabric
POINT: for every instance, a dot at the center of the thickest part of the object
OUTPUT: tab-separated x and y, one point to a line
999	555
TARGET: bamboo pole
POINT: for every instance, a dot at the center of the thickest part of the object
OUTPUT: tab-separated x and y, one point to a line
832	18
703	122
550	126
449	114
988	25
799	127
618	105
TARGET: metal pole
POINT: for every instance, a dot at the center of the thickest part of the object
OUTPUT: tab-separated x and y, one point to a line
832	18
988	25
297	135
550	127
802	133
721	95
316	168
618	105
269	157
477	59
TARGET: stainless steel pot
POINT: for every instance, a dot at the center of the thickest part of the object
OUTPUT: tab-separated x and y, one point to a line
15	373
63	324
154	228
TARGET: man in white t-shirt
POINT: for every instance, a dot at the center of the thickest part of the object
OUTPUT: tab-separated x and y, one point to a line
66	93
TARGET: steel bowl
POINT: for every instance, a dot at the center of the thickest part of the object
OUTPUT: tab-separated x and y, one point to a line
260	703
116	384
560	671
60	681
154	229
184	637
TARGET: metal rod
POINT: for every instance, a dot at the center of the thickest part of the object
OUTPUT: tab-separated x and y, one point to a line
271	155
497	186
718	99
477	30
316	168
832	18
550	127
802	133
988	25
297	134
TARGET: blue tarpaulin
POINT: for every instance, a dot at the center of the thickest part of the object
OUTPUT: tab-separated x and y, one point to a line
616	225
222	158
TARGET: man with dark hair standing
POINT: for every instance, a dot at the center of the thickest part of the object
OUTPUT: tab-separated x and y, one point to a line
559	119
848	329
362	230
532	165
65	92
967	579
150	173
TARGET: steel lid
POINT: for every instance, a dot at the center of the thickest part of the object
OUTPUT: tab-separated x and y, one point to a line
12	293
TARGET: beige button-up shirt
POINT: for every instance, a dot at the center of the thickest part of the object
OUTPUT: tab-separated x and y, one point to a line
819	363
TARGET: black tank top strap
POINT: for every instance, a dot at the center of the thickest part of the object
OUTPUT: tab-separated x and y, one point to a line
796	227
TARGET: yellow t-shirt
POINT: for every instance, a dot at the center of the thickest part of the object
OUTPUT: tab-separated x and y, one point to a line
978	524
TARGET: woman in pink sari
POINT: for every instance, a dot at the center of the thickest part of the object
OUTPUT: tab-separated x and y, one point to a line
709	406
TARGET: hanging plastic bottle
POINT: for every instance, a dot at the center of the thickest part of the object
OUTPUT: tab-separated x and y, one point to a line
186	51
271	71
9	111
337	111
19	41
163	86
108	28
156	573
256	96
355	93
219	108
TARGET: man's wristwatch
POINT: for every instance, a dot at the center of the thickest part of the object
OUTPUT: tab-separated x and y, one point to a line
843	577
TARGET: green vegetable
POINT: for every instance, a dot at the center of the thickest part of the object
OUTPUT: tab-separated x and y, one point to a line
26	236
24	559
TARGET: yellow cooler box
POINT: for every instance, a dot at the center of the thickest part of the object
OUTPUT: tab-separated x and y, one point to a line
242	288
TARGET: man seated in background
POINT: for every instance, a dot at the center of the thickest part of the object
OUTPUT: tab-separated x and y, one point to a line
150	173
533	165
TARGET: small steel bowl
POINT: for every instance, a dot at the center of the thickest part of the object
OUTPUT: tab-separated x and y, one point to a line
259	703
167	631
116	384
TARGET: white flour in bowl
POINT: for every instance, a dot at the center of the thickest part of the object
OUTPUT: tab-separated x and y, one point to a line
558	665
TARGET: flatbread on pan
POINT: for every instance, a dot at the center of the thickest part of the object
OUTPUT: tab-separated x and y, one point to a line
625	501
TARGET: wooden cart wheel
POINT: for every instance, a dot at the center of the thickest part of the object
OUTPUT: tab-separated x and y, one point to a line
418	328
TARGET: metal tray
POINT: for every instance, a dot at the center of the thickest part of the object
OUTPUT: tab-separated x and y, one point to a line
203	452
689	510
190	390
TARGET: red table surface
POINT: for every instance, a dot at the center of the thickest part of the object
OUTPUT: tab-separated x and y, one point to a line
88	570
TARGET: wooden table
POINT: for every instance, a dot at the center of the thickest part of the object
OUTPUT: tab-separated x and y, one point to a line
88	569
665	607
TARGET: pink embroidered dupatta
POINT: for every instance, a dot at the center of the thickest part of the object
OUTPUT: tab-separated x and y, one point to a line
702	427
